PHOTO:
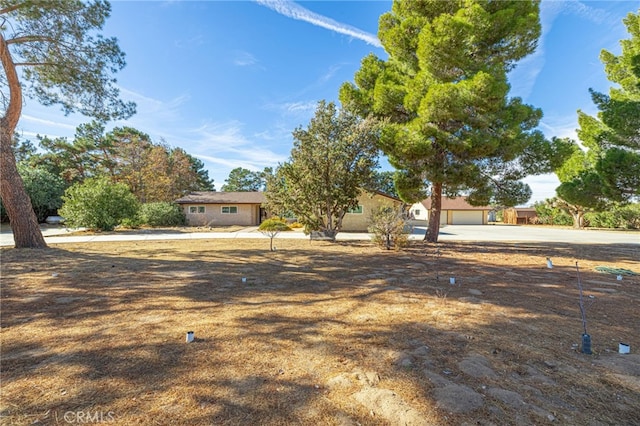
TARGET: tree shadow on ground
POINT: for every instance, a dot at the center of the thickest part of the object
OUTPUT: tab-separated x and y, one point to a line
104	328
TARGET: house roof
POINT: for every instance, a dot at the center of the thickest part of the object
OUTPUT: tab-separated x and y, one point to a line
382	194
214	197
456	203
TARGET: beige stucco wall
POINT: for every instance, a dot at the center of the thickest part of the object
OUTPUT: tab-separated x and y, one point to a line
356	222
248	215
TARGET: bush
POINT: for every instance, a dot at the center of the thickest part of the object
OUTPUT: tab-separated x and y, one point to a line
271	228
45	191
162	214
130	223
626	217
549	215
388	225
98	204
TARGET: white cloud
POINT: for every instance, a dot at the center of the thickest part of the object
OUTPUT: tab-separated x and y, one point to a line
244	59
38	119
595	15
151	105
224	147
561	127
524	76
220	136
330	73
297	107
159	118
49	123
292	108
542	187
295	11
212	140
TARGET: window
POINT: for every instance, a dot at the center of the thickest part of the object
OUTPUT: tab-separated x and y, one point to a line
196	209
355	210
200	209
229	209
416	212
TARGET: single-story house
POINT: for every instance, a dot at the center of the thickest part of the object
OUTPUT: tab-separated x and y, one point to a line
211	208
357	220
454	211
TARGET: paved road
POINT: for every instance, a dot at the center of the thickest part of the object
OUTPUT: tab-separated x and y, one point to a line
447	233
539	234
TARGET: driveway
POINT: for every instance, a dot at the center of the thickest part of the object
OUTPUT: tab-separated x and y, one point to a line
514	233
532	233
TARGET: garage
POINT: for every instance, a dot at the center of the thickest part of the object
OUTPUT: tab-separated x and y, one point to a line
456	211
468	217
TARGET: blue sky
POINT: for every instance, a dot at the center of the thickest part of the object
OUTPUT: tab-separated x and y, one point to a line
229	81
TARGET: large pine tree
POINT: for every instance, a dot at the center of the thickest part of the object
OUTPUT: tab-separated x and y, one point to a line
444	92
50	51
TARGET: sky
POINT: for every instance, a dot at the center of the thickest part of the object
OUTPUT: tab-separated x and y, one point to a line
228	81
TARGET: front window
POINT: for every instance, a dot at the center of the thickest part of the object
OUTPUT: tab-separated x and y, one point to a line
355	210
196	209
229	209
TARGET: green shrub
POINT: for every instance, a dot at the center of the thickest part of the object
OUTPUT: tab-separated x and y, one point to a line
98	204
549	215
272	227
130	223
162	214
625	217
45	191
631	216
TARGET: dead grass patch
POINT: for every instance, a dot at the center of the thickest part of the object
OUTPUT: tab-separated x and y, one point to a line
319	333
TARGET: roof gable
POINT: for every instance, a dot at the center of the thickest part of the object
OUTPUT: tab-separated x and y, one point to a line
373	193
455	203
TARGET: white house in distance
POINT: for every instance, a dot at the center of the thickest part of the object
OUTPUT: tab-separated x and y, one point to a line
455	211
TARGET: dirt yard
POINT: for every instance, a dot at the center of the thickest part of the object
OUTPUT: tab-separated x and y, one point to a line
318	334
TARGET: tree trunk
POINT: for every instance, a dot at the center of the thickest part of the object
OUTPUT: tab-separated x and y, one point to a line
434	215
578	219
26	231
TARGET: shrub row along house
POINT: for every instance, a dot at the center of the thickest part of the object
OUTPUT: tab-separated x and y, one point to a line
246	209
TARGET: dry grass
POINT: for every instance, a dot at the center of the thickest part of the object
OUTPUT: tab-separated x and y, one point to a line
100	328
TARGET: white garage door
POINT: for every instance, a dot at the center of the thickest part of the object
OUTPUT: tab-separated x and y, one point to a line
467	217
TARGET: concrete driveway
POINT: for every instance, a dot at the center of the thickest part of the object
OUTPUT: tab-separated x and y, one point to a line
531	233
447	233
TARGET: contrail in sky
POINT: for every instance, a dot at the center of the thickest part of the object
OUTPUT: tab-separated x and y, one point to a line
295	11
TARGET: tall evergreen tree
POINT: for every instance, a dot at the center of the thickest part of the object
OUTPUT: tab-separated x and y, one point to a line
201	180
50	50
613	136
243	180
451	126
